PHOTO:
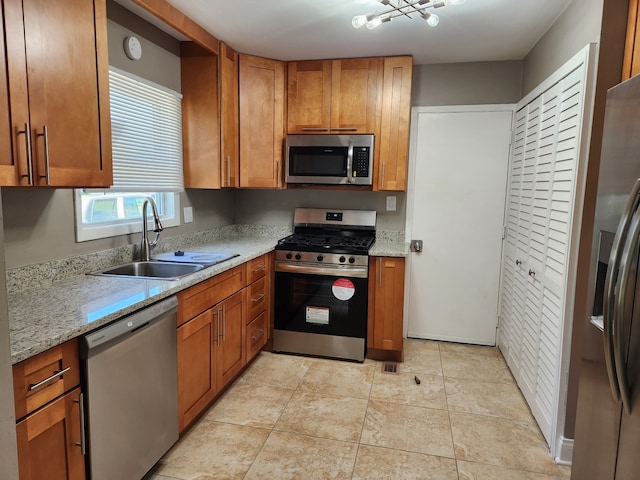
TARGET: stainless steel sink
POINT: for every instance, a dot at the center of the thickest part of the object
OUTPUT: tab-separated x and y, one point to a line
151	269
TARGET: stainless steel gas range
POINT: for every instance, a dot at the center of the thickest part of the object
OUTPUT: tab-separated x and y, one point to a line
321	286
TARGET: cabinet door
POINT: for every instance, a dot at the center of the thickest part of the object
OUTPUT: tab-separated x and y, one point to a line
200	116
386	286
231	349
261	122
50	443
631	65
8	167
392	144
229	116
309	96
196	366
67	82
354	88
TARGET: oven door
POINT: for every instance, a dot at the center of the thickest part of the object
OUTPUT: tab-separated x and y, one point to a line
323	304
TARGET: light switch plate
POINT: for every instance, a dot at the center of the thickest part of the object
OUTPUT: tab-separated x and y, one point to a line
188	214
391	203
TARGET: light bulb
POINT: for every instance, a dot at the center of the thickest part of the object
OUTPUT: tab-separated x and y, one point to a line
374	22
358	21
431	18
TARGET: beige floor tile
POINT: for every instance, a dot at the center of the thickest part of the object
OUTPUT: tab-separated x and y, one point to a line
339	378
375	463
486	398
276	370
213	450
402	388
327	416
289	456
421	356
480	471
474	367
405	427
466	349
251	405
501	441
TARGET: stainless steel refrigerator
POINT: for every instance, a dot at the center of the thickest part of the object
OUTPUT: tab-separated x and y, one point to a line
607	436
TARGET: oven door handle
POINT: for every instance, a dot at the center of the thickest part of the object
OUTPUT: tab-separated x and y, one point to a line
355	272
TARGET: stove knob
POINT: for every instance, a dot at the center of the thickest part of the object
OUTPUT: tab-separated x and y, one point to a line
342	259
288	255
352	260
298	256
319	258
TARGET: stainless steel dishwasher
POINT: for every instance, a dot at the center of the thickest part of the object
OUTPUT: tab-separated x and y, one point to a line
131	402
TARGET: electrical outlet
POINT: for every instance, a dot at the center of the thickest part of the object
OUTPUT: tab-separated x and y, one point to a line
188	214
391	204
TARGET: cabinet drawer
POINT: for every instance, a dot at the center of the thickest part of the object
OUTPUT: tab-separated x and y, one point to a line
42	378
256	298
204	295
257	268
256	335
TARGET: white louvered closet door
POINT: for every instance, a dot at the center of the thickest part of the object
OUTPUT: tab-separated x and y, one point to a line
541	205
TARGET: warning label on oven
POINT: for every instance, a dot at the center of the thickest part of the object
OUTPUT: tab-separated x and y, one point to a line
317	315
343	289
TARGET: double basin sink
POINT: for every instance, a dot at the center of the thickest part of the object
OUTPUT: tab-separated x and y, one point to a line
169	266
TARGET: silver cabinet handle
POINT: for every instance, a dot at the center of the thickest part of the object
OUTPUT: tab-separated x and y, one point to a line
620	311
83	436
224	323
56	374
382	177
258	298
279	174
27	141
217	314
259	269
345	129
228	170
610	284
260	334
314	129
47	172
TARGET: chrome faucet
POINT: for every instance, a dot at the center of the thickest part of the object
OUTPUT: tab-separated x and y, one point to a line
145	246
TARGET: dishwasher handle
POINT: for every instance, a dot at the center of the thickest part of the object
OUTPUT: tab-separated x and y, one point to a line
130	325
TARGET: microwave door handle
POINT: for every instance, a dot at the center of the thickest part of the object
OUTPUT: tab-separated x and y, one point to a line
350	178
608	310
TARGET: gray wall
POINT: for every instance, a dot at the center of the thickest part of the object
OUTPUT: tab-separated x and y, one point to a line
578	25
473	83
8	451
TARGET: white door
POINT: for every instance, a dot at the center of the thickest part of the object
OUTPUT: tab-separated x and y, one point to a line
455	205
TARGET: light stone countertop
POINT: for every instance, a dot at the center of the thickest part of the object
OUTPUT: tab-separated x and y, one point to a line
43	316
50	315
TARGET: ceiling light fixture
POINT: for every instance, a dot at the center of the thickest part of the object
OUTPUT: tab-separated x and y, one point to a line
397	8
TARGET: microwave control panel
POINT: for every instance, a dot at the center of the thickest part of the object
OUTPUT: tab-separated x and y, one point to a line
361	161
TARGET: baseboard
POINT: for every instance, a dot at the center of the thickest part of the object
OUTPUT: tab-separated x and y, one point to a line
565	451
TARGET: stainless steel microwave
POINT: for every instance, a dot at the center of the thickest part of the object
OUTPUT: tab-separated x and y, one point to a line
329	159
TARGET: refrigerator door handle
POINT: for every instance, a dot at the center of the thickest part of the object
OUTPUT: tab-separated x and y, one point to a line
609	289
626	268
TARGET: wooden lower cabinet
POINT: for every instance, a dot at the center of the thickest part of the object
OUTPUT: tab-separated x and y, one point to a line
231	347
386	304
49	441
196	366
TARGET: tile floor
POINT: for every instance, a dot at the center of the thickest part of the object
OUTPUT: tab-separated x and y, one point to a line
290	417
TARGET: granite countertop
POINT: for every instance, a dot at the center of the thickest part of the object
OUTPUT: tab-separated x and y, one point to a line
50	315
383	248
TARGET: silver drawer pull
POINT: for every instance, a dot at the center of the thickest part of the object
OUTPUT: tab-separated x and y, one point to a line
259	269
260	334
58	373
258	298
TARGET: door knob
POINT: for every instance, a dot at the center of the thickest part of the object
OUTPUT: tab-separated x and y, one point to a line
416	246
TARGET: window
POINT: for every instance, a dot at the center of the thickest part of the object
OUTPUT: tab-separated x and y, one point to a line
146	124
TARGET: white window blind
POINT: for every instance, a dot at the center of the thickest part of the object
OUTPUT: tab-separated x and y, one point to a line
146	123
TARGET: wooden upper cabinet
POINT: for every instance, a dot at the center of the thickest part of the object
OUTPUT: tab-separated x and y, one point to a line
631	65
200	116
333	96
7	162
58	93
261	122
392	144
229	117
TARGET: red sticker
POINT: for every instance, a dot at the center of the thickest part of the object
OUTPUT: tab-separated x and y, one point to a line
343	289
